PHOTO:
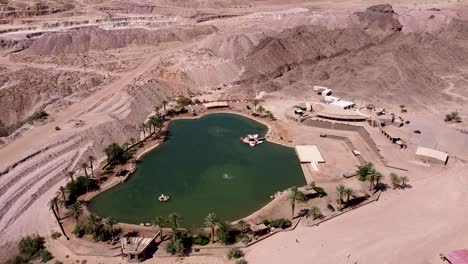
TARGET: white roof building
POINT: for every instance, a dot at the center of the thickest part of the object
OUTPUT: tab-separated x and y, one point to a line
343	104
326	92
216	104
432	155
319	88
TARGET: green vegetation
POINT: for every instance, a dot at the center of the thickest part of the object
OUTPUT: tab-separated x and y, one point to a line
453	117
6	130
315	212
201	240
235	253
81	185
367	172
31	248
294	196
211	221
278	223
181	244
226	233
183	101
241	261
115	154
160	222
95	226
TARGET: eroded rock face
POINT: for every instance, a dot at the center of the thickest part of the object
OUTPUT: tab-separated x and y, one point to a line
379	18
384	8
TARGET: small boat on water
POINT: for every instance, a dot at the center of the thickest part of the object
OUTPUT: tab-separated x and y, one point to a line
251	139
163	198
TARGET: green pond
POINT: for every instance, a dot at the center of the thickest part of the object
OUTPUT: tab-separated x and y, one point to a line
204	168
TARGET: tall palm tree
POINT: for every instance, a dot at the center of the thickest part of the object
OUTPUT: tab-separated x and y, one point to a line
174	221
87	182
211	221
348	192
63	191
164	104
377	178
242	225
160	222
85	167
75	210
53	206
70	174
315	212
92	222
91	159
142	128
340	189
363	171
396	180
109	226
294	196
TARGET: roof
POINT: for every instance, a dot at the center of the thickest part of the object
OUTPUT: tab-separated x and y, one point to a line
319	88
390	131
326	91
341	117
458	256
330	98
216	104
432	153
258	228
342	103
308	153
134	245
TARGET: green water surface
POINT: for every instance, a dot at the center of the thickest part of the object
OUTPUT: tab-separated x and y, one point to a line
204	168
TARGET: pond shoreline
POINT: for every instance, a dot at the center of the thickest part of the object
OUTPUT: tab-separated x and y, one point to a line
150	144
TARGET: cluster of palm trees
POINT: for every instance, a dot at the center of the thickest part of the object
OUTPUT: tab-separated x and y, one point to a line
173	221
88	165
295	196
399	181
342	192
155	122
367	172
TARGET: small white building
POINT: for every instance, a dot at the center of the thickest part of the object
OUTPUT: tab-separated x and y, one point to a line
319	88
432	155
343	104
213	105
326	92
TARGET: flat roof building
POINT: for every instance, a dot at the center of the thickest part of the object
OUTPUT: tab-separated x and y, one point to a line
219	104
136	249
432	155
343	104
309	154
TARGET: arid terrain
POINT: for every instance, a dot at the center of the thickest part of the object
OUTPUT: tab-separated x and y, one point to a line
98	68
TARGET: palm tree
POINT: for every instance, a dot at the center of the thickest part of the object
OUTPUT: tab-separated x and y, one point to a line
377	178
85	167
160	222
164	104
109	226
174	221
92	223
396	180
156	109
340	191
70	174
293	196
348	192
143	127
312	184
211	221
404	180
75	210
63	191
242	225
374	178
315	212
363	171
53	206
91	159
87	182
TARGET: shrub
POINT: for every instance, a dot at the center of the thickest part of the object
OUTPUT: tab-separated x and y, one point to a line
183	101
45	255
241	261
280	223
79	230
243	238
320	191
200	240
55	235
58	262
30	246
453	116
235	253
248	107
226	234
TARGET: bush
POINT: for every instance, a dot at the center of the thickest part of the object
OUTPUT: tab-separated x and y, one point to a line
45	255
280	223
200	240
235	253
453	116
320	191
226	234
55	235
243	238
183	101
241	261
58	262
30	246
79	230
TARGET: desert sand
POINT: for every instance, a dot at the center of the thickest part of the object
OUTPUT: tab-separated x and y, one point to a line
99	67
